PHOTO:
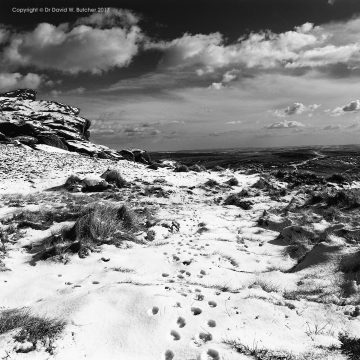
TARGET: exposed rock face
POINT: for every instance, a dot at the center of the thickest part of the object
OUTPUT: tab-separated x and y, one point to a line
28	121
49	122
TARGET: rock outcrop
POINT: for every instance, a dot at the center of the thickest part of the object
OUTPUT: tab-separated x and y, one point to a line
25	120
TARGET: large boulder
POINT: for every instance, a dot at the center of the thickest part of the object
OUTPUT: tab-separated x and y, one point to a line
141	156
94	184
48	138
3	138
54	124
127	154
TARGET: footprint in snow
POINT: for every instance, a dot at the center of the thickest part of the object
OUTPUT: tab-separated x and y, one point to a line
211	323
181	322
205	337
168	355
212	304
175	335
153	311
196	311
210	354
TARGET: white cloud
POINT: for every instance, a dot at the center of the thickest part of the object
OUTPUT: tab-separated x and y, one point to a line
307	46
285	125
11	81
295	109
82	48
352	106
230	76
216	86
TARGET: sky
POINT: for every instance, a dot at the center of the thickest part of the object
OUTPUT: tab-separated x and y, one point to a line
167	75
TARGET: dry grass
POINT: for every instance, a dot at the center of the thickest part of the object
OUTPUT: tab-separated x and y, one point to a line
228	258
233	181
99	223
236	200
265	285
211	183
42	219
123	270
348	199
29	327
106	223
181	168
300	245
350	346
258	353
114	177
197	168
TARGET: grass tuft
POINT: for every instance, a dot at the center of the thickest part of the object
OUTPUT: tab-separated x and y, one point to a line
30	327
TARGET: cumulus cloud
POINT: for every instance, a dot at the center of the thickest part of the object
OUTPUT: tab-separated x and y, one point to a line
305	47
295	109
73	49
285	125
11	81
216	86
230	76
351	107
264	49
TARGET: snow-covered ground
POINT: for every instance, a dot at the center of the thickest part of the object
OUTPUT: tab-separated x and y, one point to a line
185	295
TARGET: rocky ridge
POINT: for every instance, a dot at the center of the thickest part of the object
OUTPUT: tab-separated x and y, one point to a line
25	120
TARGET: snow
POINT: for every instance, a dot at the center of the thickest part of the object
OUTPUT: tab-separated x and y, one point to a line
187	291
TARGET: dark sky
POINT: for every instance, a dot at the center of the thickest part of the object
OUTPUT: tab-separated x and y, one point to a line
171	18
193	73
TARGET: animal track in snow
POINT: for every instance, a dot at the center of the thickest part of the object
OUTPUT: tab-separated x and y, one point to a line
205	337
196	311
203	272
212	304
181	322
212	355
199	297
169	355
175	335
153	311
211	323
165	275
